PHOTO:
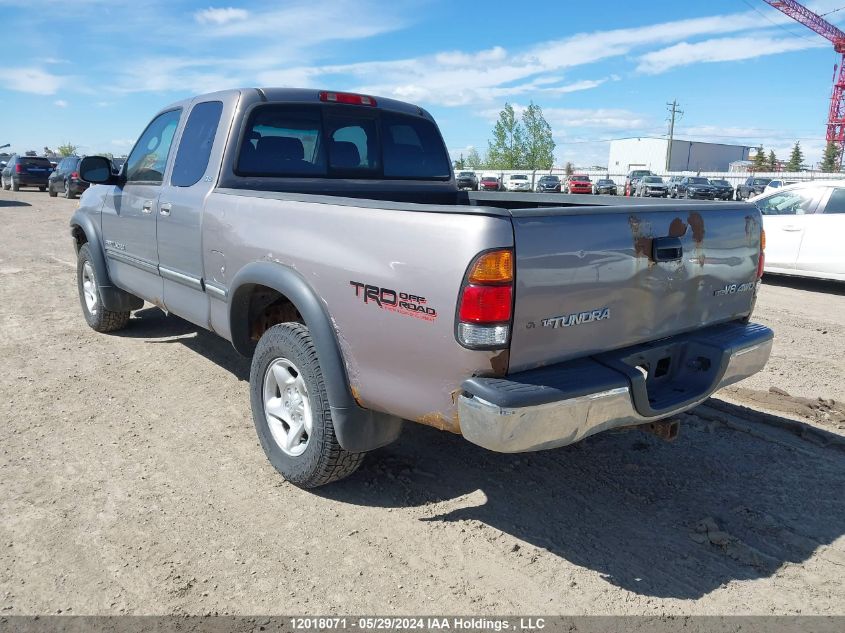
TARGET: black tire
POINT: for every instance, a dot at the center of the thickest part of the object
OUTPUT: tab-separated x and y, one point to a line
67	192
50	191
16	186
5	186
323	460
100	320
42	188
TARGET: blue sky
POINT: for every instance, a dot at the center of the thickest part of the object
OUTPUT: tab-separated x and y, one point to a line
93	72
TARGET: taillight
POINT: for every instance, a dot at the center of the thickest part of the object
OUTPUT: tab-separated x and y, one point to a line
761	262
18	168
348	98
485	308
74	174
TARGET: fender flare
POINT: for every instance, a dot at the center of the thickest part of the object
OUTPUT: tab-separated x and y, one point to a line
113	298
357	429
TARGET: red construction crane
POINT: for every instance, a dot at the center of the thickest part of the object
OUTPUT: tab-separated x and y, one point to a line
836	115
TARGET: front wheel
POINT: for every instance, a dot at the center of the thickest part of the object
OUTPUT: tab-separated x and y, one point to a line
97	317
51	191
290	409
16	186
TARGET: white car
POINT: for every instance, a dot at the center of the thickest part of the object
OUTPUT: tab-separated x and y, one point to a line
777	184
804	224
518	182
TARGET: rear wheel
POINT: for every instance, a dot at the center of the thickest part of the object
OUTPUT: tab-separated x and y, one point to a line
16	186
97	317
51	191
68	193
290	409
3	182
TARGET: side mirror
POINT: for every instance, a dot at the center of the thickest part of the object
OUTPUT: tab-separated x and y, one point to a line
97	170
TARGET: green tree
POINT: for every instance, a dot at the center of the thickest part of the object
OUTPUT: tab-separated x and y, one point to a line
759	160
473	160
773	161
568	168
506	150
67	149
539	144
795	158
830	158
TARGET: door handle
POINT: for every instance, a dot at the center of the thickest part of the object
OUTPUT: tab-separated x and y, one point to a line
791	228
164	209
148	206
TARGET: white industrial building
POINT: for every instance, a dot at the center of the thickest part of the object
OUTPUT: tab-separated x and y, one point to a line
652	153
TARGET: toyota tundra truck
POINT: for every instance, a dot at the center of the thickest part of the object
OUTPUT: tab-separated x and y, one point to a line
323	234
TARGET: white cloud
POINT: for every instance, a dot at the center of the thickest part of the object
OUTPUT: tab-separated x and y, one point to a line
33	80
720	50
60	103
220	16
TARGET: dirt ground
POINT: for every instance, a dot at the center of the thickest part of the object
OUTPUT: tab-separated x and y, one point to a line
131	481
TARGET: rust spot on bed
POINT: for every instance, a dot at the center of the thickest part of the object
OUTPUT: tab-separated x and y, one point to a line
696	222
440	421
642	243
499	363
677	228
752	230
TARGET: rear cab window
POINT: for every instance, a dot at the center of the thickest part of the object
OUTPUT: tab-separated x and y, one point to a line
315	141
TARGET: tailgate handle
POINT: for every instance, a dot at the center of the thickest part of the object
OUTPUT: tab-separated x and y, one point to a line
666	249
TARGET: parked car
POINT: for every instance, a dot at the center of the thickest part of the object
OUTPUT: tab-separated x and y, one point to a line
117	163
324	235
672	185
752	186
633	177
548	184
695	187
605	186
25	171
804	226
467	180
518	182
489	183
65	178
578	183
777	183
651	187
722	189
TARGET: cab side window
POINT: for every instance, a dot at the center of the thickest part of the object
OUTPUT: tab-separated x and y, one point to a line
148	159
836	203
196	143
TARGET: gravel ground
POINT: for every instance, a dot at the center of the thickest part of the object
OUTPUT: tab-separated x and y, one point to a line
133	482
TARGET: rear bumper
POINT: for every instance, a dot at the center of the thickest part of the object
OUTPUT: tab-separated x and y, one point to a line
562	404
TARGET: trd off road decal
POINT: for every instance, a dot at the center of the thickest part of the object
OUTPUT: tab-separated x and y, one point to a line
403	303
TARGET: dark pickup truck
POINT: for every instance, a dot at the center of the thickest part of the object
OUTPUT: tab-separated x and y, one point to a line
752	186
325	236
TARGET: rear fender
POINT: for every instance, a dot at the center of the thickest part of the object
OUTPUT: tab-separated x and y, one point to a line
357	429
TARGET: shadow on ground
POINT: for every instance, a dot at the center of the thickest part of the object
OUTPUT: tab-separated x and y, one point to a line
806	283
14	203
672	520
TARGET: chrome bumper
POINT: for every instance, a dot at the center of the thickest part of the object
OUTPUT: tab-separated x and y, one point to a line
514	429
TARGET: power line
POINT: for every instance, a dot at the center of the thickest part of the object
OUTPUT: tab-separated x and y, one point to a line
821	15
778	24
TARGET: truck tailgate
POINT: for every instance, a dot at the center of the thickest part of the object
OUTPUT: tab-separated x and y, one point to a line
588	280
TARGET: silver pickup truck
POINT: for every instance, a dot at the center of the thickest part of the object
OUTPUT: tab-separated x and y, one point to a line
323	234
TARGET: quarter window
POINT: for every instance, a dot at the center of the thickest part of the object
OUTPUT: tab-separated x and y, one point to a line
195	145
836	203
148	159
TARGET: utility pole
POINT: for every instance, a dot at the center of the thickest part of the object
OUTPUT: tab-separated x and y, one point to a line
673	110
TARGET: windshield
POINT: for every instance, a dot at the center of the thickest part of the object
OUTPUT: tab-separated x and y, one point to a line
761	181
605	181
489	179
580	178
550	179
655	179
698	181
721	183
519	177
466	174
